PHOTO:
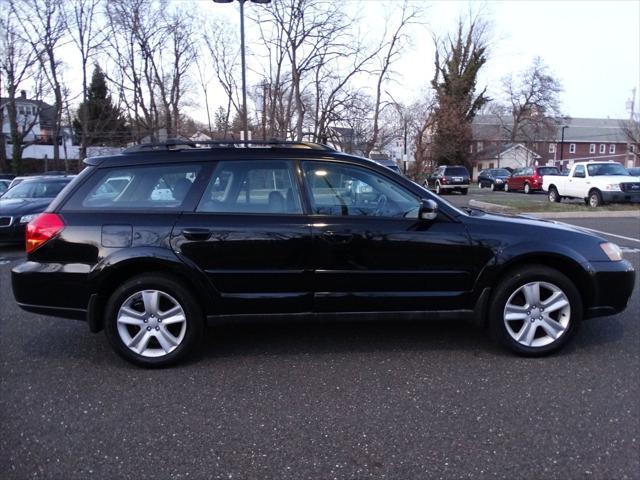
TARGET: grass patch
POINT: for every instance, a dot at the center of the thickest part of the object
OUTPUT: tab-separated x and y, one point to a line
523	205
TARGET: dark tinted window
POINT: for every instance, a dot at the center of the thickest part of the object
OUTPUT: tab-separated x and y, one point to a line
600	169
343	190
548	171
457	171
252	187
500	172
138	187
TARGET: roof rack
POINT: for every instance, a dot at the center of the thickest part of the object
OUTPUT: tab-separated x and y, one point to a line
178	144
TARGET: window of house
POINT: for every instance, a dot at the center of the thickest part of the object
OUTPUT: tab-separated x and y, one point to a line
612	148
572	148
490	164
21	110
632	148
592	148
603	148
479	146
552	148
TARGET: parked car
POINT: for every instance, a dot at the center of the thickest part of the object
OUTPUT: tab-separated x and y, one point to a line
299	230
391	164
449	178
634	171
594	182
23	202
493	178
4	185
529	179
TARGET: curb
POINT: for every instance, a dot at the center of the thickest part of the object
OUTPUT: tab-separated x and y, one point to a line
602	214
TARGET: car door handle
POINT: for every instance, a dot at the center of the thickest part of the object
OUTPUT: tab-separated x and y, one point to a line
335	237
196	233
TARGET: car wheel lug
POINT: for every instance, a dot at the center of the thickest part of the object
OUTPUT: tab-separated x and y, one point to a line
148	329
157	328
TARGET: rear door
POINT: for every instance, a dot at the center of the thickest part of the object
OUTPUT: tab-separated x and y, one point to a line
370	250
250	236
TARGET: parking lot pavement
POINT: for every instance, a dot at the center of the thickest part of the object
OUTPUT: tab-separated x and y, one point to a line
287	401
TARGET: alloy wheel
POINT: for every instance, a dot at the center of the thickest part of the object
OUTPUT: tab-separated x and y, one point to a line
151	323
537	314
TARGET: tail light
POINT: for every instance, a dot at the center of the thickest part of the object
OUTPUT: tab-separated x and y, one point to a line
443	180
42	229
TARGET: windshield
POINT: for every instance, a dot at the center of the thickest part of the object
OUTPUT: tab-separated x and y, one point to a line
542	171
501	172
36	189
600	169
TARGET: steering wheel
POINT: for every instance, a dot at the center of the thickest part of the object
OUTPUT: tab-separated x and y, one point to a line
382	202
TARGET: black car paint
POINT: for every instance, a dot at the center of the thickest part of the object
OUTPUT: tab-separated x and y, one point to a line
257	264
488	177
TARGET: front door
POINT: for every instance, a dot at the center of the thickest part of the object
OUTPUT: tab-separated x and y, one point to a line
250	237
371	252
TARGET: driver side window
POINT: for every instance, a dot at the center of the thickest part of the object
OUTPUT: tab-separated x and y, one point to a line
349	190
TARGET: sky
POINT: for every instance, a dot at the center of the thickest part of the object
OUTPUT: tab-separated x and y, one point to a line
592	47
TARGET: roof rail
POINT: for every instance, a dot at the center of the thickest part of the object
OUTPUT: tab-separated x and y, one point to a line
177	144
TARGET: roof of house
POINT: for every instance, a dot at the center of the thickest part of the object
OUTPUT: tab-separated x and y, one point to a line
47	112
605	130
493	151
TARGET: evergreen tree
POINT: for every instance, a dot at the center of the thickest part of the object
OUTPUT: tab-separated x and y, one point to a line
98	117
458	61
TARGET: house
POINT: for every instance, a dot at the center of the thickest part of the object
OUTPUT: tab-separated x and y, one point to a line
584	139
507	155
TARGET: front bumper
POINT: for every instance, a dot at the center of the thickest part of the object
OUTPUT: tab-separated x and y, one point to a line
613	284
621	197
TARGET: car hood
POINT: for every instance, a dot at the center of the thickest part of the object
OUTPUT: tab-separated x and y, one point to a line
23	206
615	179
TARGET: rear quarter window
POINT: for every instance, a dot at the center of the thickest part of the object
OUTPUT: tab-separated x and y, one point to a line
135	188
457	171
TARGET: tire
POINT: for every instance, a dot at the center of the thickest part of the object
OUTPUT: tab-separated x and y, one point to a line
493	187
144	301
465	191
527	188
438	189
536	327
595	199
554	196
480	185
506	187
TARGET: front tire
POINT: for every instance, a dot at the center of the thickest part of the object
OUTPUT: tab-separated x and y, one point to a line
535	311
595	199
527	189
493	187
153	321
506	187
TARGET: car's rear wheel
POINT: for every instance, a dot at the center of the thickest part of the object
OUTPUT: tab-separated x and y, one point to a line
480	185
554	196
438	189
535	311
527	188
153	321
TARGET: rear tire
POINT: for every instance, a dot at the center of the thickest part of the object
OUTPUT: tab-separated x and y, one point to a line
535	310
554	196
152	320
439	190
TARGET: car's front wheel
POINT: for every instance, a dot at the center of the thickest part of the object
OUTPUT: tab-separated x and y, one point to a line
153	321
506	187
493	187
595	199
535	311
527	188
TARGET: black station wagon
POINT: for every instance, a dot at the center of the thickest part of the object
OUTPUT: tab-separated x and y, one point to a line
149	244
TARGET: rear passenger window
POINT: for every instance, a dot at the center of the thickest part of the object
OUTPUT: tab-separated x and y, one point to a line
139	187
252	187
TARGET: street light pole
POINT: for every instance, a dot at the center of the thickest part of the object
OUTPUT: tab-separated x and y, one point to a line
245	123
562	145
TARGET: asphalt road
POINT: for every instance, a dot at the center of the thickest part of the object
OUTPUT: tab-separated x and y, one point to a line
385	400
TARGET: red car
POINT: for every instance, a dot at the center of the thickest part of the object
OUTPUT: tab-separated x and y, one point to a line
528	179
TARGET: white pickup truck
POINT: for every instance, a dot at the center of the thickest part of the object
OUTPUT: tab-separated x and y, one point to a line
594	182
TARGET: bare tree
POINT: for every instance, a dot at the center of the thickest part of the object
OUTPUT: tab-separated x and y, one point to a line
391	49
87	36
533	103
44	25
18	63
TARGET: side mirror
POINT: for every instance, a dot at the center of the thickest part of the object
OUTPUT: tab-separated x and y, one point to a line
428	210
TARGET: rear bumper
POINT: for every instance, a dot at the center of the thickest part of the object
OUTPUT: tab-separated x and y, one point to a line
454	186
613	284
